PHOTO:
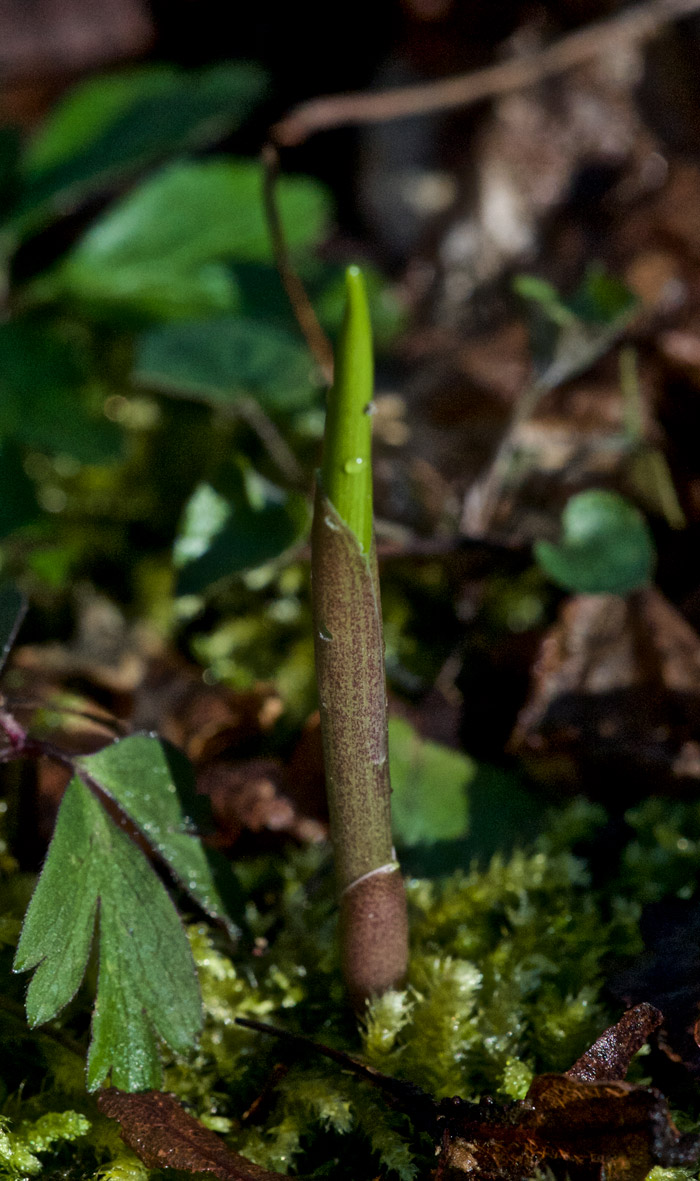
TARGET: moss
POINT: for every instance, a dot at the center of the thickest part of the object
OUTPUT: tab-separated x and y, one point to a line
18	1148
505	981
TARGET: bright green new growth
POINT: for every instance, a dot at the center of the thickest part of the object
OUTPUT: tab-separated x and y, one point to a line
347	471
17	1149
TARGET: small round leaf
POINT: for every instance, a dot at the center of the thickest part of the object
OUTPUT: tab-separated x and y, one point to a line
606	546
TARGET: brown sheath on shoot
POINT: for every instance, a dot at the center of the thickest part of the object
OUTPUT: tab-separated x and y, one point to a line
350	673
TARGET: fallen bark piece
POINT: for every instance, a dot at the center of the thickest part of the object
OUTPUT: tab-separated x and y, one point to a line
164	1136
587	1124
609	1057
614	700
586	1130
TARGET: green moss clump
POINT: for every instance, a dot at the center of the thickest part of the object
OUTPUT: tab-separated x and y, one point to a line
505	973
505	982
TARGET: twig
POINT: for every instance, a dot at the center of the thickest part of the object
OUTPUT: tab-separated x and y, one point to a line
578	354
104	721
413	1098
273	441
637	23
319	344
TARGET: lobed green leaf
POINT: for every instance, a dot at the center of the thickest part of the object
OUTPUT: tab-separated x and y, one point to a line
153	785
147	986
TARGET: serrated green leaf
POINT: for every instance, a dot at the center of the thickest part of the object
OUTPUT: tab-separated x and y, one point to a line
429	787
162	249
59	924
248	523
153	786
147	986
606	546
216	361
109	128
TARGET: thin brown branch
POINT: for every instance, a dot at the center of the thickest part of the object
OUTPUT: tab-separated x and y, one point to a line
637	23
272	440
319	344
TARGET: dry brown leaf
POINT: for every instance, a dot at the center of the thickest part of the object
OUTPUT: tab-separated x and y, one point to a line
608	1059
164	1136
587	1124
615	697
587	1130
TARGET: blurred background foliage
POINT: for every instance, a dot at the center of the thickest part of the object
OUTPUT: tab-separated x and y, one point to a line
159	411
161	415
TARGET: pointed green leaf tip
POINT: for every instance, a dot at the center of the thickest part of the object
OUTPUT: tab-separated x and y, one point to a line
347	457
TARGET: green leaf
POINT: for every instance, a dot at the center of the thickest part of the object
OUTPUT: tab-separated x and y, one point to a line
109	128
155	789
602	298
147	986
429	787
245	524
87	111
161	250
606	546
538	291
217	361
43	395
567	336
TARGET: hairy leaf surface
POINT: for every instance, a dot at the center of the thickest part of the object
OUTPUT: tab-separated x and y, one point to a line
147	986
150	784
